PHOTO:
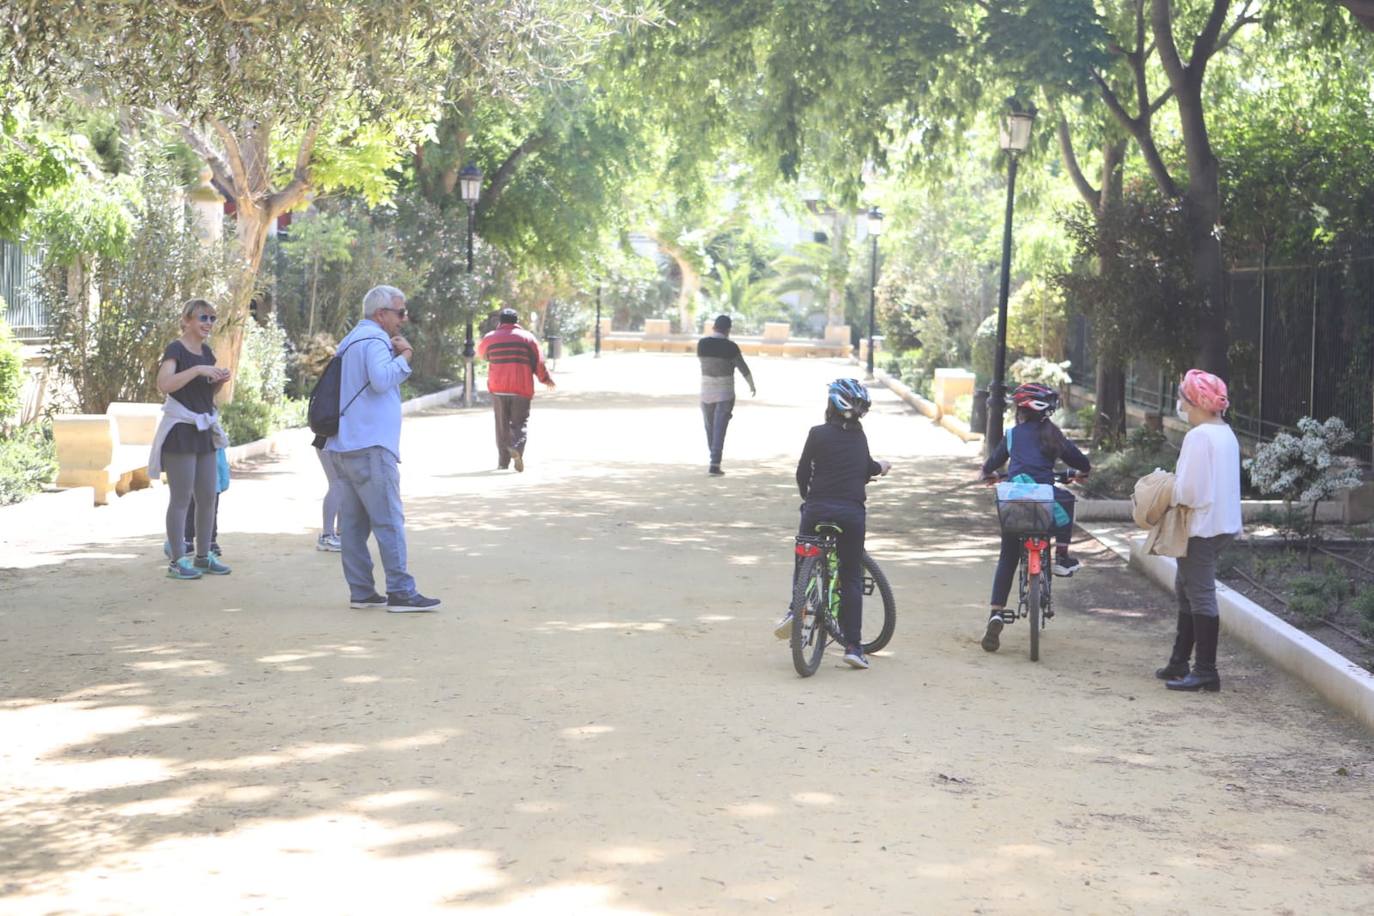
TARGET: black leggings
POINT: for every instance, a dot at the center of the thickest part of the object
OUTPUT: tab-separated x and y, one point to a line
191	475
851	555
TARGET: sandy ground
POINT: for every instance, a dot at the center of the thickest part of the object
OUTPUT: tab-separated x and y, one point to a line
600	721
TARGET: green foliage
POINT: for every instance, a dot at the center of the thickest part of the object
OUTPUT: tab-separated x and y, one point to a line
11	374
1115	473
1291	134
909	366
314	245
1033	369
31	166
28	462
1133	280
734	291
111	351
260	406
88	216
1314	596
1038	320
1364	606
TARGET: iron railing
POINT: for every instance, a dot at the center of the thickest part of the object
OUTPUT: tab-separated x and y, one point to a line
25	312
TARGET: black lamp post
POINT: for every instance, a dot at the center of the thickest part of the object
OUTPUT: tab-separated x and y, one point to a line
598	321
875	229
469	189
1016	129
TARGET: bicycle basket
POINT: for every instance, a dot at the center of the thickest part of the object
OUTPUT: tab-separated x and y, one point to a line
1025	508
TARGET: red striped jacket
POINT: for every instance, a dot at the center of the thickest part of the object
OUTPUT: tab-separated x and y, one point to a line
513	360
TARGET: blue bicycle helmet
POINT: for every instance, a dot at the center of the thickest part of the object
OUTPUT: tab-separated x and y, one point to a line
849	397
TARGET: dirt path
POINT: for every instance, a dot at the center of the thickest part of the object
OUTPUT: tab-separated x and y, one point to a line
600	720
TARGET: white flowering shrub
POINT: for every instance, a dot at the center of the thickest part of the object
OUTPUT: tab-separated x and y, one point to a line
1044	371
1306	468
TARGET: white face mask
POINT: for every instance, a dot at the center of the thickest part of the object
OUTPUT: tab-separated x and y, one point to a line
1182	409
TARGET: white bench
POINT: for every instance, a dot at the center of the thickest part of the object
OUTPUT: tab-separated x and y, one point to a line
106	451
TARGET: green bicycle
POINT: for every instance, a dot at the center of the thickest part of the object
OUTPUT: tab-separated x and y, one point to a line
816	601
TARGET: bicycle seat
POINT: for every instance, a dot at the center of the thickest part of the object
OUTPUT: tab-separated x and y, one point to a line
829	528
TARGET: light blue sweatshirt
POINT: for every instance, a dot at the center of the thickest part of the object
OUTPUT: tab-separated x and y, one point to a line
374	418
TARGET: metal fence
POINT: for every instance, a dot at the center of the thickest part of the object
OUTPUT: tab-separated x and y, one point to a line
1302	344
24	310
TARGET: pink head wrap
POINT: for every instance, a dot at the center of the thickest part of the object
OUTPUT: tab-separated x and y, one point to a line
1205	390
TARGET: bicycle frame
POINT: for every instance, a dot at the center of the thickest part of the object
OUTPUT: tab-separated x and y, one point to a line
1034	552
825	546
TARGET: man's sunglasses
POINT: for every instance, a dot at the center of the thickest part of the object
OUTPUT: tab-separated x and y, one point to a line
400	313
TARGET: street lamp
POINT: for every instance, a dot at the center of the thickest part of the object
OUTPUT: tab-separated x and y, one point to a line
469	189
1015	130
875	229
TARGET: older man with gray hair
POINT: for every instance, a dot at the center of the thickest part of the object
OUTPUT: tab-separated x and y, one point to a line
366	453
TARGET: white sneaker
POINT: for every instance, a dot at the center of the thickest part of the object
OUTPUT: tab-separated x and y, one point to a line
783	628
1066	567
328	542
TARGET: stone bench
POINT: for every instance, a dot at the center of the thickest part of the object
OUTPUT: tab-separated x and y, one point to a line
107	451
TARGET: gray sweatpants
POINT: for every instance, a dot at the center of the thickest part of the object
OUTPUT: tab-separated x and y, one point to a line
332	495
189	474
1195	583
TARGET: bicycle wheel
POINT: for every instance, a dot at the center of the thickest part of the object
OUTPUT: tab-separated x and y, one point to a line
877	631
808	623
1033	610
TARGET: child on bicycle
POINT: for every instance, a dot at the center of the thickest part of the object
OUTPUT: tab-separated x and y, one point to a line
834	469
1031	448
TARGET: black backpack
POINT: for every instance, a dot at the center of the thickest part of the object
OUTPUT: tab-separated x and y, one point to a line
324	411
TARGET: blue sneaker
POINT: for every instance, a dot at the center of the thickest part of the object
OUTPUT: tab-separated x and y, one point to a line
183	568
411	604
211	566
854	657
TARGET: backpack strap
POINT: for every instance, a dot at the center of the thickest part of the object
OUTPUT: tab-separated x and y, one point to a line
365	384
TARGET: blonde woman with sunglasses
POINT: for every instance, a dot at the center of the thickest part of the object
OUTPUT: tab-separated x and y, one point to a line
187	438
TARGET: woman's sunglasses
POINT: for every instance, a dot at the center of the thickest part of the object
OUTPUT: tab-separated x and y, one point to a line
206	319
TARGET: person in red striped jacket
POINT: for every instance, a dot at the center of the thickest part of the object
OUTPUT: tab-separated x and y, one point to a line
513	362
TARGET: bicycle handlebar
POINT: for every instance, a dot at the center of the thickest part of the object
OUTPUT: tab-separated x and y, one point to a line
1068	477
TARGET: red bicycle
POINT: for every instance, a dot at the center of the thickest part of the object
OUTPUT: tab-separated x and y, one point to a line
1032	520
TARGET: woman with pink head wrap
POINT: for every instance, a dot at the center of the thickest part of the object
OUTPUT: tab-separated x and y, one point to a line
1207	482
1205	390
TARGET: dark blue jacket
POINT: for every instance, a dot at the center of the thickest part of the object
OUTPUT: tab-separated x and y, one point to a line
835	465
1028	456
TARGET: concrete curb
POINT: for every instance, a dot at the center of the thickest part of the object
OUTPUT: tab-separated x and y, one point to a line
1340	681
1119	510
927	408
947	421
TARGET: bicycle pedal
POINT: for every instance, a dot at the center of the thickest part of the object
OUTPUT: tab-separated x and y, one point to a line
1008	617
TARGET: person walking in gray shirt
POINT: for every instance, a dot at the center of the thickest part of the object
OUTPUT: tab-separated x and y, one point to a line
367	454
720	357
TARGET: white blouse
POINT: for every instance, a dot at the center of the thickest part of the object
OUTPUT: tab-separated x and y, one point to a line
1208	480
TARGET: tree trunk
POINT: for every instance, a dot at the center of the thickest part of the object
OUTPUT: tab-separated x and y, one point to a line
1109	425
1202	197
253	224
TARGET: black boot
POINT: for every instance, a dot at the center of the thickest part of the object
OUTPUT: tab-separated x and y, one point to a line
1204	676
1183	650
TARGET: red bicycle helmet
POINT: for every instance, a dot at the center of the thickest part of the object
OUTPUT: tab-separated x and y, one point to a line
1037	397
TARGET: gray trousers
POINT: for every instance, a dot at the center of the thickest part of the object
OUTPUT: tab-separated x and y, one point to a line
716	418
1195	584
370	503
330	509
191	475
